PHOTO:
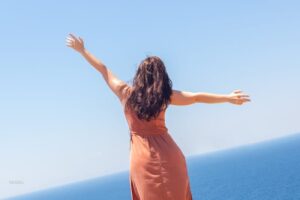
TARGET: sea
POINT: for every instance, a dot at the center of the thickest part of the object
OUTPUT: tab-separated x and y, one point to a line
268	170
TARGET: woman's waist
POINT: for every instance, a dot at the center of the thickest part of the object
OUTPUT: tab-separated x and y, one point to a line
149	132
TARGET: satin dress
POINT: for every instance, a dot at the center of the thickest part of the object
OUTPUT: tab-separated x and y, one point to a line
158	169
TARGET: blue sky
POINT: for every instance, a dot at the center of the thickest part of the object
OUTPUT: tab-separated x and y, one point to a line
59	121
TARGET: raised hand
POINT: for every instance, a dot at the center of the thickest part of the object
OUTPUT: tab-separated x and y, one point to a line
76	43
238	97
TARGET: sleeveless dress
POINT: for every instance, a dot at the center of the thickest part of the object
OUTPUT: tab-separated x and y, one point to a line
158	169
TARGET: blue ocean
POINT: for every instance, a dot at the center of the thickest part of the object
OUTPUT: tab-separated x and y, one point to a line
267	170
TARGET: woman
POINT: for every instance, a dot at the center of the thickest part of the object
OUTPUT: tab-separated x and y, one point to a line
158	168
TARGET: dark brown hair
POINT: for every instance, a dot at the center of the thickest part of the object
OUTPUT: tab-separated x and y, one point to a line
151	89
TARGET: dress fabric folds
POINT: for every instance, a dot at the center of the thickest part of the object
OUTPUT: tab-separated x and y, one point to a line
158	169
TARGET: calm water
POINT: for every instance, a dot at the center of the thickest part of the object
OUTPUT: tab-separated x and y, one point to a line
268	170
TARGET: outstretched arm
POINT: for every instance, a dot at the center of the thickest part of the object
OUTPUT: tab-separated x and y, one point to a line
112	81
182	98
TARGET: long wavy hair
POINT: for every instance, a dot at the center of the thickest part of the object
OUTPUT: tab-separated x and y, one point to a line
151	89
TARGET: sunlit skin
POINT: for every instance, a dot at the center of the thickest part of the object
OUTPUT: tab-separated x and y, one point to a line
180	98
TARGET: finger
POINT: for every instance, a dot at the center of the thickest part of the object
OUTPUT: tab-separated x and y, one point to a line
69	43
81	40
246	100
73	36
69	39
243	95
237	91
246	97
242	100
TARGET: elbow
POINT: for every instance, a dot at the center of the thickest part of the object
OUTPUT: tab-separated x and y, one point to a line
195	99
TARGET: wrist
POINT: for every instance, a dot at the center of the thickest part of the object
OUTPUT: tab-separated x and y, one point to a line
83	51
225	98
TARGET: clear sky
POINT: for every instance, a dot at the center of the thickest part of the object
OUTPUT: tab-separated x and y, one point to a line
60	122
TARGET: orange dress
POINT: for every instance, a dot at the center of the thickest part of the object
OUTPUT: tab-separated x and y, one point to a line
158	169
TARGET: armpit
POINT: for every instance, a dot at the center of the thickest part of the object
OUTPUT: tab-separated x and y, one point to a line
124	91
